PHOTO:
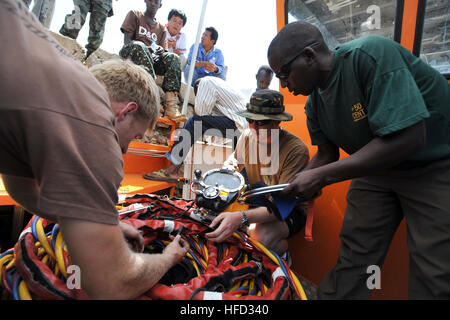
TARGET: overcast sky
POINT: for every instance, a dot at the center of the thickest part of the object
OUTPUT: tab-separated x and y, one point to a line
245	28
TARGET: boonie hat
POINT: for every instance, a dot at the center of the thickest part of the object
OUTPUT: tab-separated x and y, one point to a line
266	105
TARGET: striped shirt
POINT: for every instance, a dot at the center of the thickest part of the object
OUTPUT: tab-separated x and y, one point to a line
216	98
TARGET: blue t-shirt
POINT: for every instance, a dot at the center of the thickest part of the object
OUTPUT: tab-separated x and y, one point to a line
214	55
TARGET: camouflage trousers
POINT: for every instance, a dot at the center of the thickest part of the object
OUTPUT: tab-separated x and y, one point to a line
43	9
168	64
100	11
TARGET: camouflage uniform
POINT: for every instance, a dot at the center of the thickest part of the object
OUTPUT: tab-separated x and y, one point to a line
100	11
167	65
43	9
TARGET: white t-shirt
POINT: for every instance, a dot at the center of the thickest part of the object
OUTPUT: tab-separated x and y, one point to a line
181	41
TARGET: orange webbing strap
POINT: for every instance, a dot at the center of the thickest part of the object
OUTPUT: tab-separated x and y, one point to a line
309	221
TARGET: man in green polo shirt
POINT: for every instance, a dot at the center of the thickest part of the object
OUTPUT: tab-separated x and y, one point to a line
390	112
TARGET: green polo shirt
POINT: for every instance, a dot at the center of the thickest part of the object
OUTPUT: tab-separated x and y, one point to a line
378	87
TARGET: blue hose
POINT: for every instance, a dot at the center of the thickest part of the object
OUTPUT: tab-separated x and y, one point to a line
15	288
55	232
10	251
33	228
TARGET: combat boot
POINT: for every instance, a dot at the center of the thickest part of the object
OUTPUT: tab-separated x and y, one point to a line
171	109
88	53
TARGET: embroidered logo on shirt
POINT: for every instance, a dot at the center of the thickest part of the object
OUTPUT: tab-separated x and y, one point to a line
358	112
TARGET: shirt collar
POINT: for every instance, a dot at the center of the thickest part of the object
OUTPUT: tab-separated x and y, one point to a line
203	48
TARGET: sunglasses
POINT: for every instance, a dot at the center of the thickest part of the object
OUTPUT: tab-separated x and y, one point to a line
285	70
259	123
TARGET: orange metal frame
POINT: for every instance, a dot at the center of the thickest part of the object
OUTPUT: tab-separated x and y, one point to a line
140	160
136	163
314	260
5	199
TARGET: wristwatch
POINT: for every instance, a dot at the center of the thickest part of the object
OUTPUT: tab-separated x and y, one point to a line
244	220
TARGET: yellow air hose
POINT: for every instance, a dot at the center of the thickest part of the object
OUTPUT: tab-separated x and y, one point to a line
24	293
43	239
59	255
274	259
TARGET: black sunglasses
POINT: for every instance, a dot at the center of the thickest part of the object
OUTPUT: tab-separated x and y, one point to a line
285	70
259	123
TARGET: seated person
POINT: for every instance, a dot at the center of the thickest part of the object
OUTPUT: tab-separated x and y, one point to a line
264	77
71	171
210	60
216	104
288	156
145	43
176	40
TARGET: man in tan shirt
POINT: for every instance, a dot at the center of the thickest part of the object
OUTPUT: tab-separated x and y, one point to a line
271	155
62	136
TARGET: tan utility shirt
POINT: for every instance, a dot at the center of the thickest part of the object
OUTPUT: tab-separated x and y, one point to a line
59	152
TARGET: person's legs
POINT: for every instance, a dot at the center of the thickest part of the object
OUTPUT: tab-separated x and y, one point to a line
75	21
138	52
183	61
27	2
425	200
193	130
44	11
97	21
169	66
372	216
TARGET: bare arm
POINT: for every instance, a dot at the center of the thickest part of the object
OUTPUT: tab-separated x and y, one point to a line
109	269
380	153
228	222
199	64
326	153
127	37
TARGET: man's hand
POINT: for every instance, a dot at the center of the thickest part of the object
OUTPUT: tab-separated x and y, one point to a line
210	67
156	49
171	43
198	64
133	236
177	249
109	269
306	185
379	154
159	50
228	223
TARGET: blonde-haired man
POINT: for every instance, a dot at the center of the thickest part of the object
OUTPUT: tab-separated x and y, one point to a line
61	143
131	90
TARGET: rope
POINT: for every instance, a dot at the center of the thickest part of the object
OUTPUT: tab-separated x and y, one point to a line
52	252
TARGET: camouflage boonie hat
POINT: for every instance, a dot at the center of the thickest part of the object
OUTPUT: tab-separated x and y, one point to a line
266	105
